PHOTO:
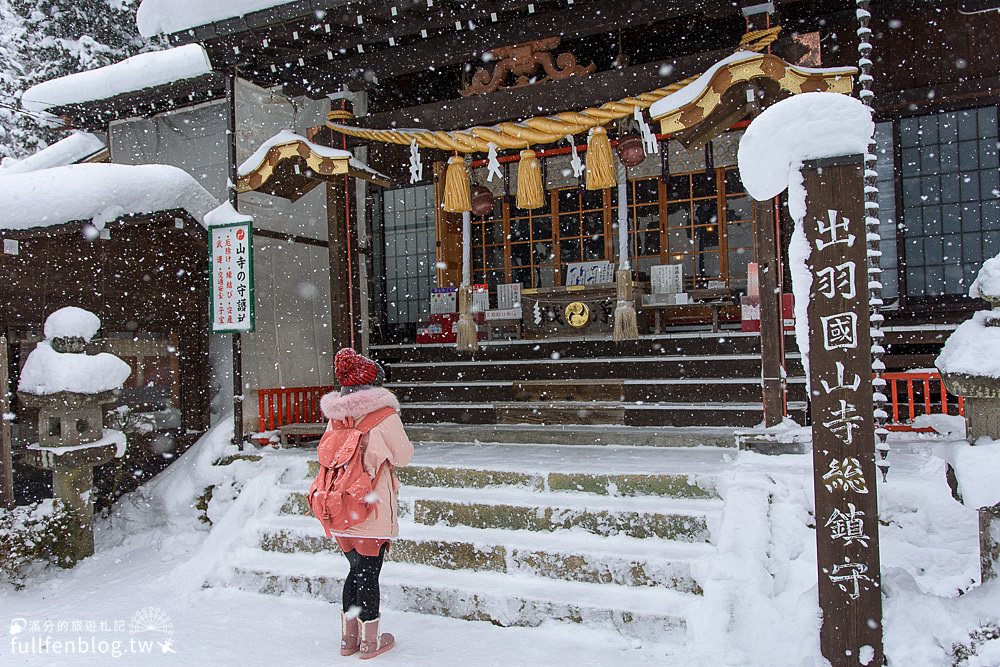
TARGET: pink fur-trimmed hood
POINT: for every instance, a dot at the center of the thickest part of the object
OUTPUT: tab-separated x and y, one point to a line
358	404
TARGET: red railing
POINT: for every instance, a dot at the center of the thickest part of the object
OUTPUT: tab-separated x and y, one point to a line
279	407
916	393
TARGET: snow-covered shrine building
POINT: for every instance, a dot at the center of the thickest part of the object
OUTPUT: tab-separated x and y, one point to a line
367	257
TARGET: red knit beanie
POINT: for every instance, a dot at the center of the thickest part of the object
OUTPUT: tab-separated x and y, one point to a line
353	369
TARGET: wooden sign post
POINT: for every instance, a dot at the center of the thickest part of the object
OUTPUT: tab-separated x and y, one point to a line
840	377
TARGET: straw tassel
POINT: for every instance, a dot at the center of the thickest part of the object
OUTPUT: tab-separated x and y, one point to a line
626	326
600	164
530	193
456	186
467	336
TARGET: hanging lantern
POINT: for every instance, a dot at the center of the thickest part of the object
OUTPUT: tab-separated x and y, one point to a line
631	152
530	193
456	186
600	165
482	200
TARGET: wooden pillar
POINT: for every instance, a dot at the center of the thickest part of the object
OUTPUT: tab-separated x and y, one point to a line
448	228
233	171
843	428
340	292
771	320
6	455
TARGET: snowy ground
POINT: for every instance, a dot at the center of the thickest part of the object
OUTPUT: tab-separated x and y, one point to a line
143	588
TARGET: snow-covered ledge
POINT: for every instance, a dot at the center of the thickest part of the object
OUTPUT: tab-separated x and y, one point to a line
803	127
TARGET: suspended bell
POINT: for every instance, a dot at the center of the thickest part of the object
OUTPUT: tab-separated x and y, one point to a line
482	200
630	150
456	186
600	164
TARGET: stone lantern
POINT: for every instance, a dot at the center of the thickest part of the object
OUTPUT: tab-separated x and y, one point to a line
970	368
70	389
968	361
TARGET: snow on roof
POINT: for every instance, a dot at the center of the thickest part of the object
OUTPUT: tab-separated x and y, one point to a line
169	16
290	137
690	92
146	70
74	148
225	214
98	192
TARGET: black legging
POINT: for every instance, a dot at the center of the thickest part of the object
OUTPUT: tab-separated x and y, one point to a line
361	585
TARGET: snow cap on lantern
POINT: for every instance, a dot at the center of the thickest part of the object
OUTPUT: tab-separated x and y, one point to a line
59	365
986	286
71	326
969	363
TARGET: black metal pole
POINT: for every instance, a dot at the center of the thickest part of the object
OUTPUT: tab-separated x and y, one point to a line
234	200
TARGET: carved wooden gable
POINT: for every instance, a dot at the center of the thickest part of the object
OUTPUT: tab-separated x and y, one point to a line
519	65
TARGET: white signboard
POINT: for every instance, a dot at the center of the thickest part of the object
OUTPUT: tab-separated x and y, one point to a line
505	314
667	278
509	296
444	300
480	298
590	273
231	304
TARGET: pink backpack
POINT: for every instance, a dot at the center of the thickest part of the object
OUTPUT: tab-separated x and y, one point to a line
339	496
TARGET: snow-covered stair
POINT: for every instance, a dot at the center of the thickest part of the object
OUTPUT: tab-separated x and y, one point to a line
514	534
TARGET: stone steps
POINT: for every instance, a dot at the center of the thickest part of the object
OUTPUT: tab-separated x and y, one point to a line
464	435
666	484
693	342
676	390
606	536
481	595
625	562
548	513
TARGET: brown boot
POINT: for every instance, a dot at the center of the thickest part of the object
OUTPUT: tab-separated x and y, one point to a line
350	629
372	643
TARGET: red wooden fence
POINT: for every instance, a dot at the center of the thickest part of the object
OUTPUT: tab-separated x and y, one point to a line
911	394
279	407
916	393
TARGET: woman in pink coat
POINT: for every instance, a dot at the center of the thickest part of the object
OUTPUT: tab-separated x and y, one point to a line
386	448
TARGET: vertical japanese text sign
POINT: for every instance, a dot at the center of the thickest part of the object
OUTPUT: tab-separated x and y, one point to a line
232	302
840	378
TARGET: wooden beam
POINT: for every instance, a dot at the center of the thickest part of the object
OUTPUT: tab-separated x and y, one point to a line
377	27
545	98
6	454
579	20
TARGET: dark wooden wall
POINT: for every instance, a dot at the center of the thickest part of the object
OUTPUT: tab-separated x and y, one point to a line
927	56
150	277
